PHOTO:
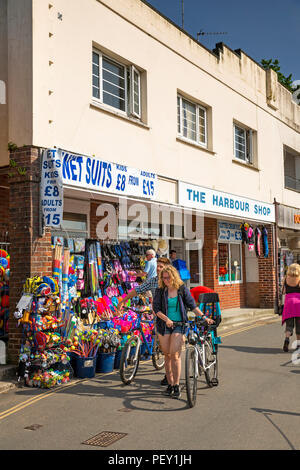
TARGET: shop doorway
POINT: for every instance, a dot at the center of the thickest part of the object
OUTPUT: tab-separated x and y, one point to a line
194	260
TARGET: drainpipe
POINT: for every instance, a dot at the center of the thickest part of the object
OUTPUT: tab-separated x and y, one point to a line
276	303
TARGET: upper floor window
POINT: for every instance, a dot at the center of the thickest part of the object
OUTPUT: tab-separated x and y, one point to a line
116	85
291	169
191	121
243	144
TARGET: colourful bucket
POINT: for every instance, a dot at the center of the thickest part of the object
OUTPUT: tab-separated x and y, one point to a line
105	362
85	367
117	359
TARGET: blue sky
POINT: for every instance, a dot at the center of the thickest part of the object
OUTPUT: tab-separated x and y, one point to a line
264	29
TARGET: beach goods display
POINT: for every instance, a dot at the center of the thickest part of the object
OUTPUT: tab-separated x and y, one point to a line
70	320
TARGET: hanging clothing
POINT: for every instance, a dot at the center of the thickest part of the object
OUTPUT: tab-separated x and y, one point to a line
257	241
265	242
244	229
251	238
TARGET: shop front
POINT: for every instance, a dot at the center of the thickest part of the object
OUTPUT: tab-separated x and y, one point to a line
238	252
288	238
95	230
92	227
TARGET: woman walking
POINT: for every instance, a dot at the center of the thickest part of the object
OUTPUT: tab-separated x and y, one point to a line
291	309
171	302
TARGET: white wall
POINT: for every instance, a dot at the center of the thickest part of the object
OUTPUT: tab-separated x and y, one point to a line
233	86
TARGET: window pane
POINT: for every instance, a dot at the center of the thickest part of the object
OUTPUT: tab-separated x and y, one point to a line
178	115
113	84
95	58
202	125
189	120
235	262
223	253
96	76
240	143
113	101
136	93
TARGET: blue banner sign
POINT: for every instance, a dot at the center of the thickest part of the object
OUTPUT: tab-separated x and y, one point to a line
210	200
99	175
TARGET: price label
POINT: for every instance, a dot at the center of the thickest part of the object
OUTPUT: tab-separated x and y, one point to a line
25	302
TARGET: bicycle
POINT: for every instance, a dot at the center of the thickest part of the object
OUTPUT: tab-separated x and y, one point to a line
201	356
131	352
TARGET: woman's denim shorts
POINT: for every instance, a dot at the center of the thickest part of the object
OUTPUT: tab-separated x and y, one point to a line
182	329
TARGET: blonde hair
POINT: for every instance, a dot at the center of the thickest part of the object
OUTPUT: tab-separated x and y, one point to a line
174	275
151	252
293	270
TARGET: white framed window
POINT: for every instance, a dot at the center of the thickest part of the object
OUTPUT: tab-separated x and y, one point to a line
191	121
116	85
243	144
230	263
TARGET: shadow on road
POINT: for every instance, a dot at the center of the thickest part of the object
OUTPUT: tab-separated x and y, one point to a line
144	394
267	413
254	350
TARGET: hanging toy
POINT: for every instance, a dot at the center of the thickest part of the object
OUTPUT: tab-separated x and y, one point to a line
265	242
257	241
244	229
250	238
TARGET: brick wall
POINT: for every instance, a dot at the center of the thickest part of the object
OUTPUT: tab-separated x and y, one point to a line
4	206
267	275
30	254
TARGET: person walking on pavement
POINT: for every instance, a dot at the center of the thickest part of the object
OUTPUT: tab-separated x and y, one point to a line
171	302
291	309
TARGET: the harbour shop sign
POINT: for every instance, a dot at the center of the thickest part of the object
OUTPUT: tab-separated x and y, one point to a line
209	200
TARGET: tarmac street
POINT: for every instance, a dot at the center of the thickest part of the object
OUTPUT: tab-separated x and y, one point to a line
255	406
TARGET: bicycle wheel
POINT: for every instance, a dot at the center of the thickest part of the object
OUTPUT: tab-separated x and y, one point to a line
158	359
191	375
128	364
211	364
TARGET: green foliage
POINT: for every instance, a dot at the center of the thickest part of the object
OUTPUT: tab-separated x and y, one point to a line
285	81
14	166
11	147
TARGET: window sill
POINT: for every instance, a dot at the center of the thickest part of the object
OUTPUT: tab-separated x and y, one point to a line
194	144
292	189
245	164
229	283
132	120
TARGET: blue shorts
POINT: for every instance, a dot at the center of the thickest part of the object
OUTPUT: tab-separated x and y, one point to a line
182	329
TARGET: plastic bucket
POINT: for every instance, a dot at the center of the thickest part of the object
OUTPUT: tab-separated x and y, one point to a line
85	367
73	357
105	362
117	359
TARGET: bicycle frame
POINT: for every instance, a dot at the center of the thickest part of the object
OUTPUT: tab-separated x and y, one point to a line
201	357
138	327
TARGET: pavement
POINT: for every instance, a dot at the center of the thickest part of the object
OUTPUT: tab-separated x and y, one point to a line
231	318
